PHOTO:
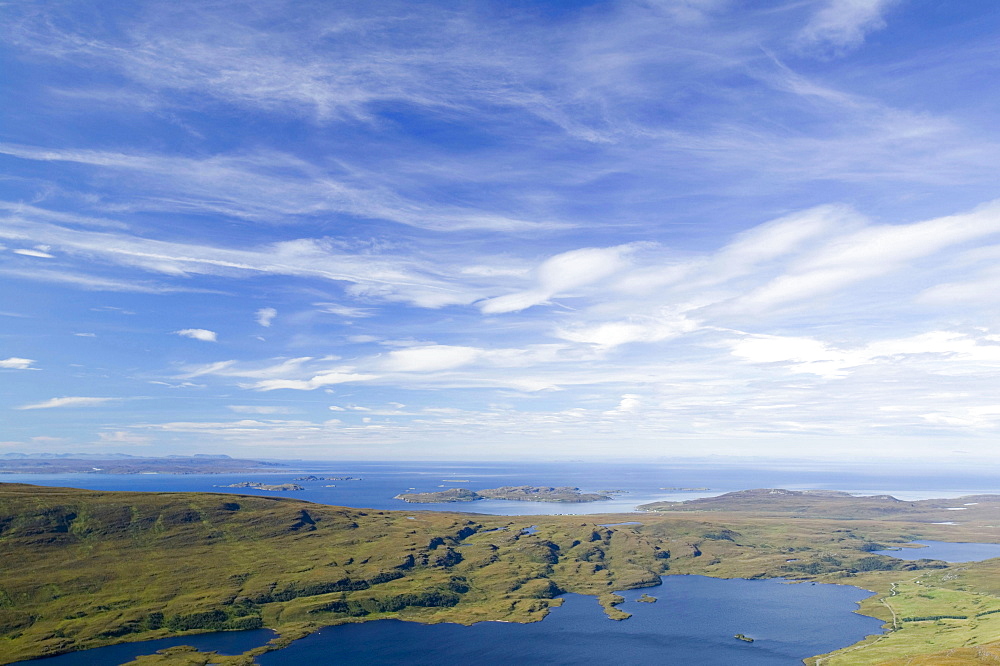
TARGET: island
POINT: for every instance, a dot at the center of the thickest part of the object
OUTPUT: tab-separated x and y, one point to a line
312	477
279	487
82	568
513	493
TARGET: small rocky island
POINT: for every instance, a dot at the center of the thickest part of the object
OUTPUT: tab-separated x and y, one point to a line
281	487
515	493
312	477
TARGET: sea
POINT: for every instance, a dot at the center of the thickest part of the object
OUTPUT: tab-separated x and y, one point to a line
374	484
694	620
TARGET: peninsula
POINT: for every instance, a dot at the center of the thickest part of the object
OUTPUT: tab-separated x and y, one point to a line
514	493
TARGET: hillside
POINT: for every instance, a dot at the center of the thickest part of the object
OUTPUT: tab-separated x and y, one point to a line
85	568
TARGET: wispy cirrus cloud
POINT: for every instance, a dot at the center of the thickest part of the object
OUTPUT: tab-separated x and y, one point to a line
843	24
74	401
28	252
399	278
269	186
91	282
609	222
261	409
951	351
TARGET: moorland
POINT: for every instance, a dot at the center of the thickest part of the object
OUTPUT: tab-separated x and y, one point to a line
83	569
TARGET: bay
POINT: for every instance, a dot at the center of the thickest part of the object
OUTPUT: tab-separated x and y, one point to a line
945	551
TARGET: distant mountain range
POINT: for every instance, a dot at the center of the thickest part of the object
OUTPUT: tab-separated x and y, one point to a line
102	456
120	463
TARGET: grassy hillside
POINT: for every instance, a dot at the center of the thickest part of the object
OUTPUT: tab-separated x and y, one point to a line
82	569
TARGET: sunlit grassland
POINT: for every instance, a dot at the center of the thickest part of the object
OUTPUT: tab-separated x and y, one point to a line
83	569
947	612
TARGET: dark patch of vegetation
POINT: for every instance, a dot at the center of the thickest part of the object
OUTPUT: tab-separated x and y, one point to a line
368	606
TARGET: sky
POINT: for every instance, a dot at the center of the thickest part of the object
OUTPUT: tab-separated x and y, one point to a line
488	230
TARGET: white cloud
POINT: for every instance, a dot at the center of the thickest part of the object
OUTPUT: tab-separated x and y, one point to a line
267	187
808	355
431	358
260	409
347	311
34	253
122	437
639	329
265	316
562	275
630	403
318	381
871	252
67	402
17	363
197	334
379	276
96	282
800	354
845	23
246	426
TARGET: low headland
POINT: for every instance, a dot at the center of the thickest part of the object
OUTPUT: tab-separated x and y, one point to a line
564	494
274	487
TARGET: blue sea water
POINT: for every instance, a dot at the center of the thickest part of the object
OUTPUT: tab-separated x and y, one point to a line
943	550
380	482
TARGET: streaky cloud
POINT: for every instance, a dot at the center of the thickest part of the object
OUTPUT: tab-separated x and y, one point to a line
74	401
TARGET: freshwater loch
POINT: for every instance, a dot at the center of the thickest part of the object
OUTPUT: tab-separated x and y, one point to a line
694	621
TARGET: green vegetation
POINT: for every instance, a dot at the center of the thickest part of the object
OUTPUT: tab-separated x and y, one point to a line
450	495
83	569
835	504
514	493
278	487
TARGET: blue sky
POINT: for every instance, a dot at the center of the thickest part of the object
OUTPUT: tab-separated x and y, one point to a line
488	230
